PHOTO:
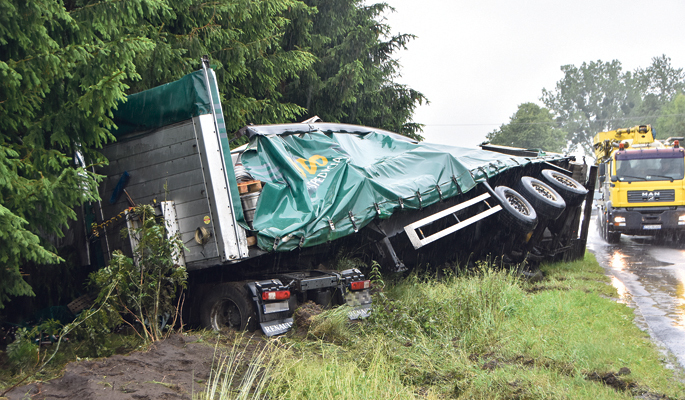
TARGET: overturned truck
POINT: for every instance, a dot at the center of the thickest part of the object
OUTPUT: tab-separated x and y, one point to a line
261	223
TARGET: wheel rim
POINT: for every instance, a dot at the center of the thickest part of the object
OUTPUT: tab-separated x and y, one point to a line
517	204
226	314
564	180
544	191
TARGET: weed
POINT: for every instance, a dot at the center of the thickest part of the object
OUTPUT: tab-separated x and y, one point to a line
144	288
23	352
239	375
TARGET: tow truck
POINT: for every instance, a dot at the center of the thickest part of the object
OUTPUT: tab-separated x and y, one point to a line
641	184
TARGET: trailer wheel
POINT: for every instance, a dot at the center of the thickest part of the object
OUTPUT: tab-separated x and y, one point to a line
517	213
545	200
569	189
228	305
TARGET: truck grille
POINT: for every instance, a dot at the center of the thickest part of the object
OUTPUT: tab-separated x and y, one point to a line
651	196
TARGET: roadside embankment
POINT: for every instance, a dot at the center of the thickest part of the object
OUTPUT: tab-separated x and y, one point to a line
480	334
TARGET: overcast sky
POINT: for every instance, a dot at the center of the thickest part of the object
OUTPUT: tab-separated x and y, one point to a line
476	61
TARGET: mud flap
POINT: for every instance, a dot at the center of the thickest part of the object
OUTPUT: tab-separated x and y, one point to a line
360	302
277	327
272	315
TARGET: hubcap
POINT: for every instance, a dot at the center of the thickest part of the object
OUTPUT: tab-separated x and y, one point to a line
564	180
544	192
226	314
517	204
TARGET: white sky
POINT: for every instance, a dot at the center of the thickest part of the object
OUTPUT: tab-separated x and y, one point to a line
477	60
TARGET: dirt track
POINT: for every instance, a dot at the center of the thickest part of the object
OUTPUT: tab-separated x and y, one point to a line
171	369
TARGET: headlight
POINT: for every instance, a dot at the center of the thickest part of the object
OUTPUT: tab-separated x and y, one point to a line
681	220
619	221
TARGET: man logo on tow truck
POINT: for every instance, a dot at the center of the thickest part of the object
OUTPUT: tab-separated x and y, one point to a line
650	196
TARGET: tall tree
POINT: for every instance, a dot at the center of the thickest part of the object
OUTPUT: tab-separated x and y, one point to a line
599	96
243	39
63	69
353	80
658	84
671	122
594	97
66	65
531	127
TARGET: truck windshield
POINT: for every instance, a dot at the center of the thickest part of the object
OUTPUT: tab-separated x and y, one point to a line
650	169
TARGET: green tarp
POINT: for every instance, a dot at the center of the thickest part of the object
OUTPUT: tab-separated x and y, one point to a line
321	184
164	105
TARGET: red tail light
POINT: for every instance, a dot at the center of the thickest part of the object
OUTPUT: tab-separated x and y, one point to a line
276	295
360	285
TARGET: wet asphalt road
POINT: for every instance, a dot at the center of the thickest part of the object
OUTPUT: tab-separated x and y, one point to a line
650	277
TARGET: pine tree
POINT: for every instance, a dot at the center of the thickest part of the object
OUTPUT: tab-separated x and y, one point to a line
353	78
242	39
62	67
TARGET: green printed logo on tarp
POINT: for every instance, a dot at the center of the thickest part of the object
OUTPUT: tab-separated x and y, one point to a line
310	169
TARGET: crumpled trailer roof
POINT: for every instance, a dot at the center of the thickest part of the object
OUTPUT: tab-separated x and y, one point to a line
323	181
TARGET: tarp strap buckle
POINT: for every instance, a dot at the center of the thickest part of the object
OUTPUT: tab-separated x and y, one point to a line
401	202
330	223
301	242
454	179
354	224
418	196
481	169
276	241
378	209
437	187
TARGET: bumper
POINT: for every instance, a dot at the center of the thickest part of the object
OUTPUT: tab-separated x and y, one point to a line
647	220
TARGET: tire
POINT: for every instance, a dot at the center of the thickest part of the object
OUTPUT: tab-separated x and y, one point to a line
609	237
613	237
228	306
545	200
517	213
570	190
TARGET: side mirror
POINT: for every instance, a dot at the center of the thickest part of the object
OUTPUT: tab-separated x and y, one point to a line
602	173
602	178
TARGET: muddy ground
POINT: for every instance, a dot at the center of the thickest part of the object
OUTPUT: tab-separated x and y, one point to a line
180	366
171	369
176	368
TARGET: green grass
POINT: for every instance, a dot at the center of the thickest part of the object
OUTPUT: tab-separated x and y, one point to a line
482	335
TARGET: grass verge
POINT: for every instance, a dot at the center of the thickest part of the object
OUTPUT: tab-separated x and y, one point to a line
481	335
